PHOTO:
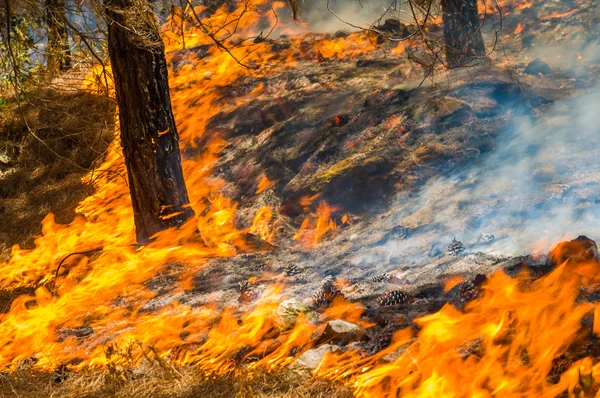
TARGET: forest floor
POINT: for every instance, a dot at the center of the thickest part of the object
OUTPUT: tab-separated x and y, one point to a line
400	160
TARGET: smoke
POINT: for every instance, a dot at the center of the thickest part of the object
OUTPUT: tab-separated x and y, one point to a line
342	14
541	185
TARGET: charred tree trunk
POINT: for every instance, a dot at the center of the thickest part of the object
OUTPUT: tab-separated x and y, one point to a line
462	32
59	53
148	133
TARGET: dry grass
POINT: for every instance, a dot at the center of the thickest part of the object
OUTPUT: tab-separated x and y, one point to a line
154	380
38	176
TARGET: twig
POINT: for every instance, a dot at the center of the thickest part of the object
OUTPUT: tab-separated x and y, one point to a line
84	253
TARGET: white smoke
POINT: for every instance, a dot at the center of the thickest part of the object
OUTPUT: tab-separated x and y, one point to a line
541	185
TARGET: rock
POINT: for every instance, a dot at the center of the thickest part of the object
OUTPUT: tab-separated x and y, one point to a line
312	358
537	67
342	332
289	310
486	238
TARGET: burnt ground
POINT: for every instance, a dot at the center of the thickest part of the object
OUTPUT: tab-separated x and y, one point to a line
372	138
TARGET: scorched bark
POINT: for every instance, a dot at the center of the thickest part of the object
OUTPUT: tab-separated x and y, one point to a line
148	132
462	32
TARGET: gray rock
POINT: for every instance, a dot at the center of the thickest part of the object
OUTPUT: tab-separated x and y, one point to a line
342	332
312	358
537	66
288	311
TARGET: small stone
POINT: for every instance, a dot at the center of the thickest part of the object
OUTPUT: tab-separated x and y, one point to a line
288	311
312	358
538	67
342	332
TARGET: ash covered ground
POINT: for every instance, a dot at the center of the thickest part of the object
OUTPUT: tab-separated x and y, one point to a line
502	157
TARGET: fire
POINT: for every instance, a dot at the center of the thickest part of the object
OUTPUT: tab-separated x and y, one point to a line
260	225
88	279
557	15
507	342
317	225
264	184
89	274
518	29
452	282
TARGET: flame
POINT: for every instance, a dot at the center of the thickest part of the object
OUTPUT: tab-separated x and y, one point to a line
518	29
90	274
317	225
260	225
88	281
264	184
452	281
505	343
557	15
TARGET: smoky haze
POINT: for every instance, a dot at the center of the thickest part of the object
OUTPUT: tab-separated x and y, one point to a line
539	186
363	13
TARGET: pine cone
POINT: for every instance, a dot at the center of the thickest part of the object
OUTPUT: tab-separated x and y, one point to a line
394	297
325	295
292	270
399	232
456	248
381	278
471	289
246	293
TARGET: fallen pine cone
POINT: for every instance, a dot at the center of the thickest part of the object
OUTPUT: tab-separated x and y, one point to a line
381	278
325	295
394	297
292	270
456	248
471	289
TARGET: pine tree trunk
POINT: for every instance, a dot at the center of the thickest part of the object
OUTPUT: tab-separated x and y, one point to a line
462	33
148	133
59	53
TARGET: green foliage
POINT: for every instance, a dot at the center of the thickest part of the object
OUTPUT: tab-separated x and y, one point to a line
22	43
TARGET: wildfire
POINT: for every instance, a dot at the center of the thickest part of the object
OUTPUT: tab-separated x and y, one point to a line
88	279
89	274
508	342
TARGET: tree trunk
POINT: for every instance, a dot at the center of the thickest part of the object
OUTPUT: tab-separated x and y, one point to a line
148	133
462	32
59	53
